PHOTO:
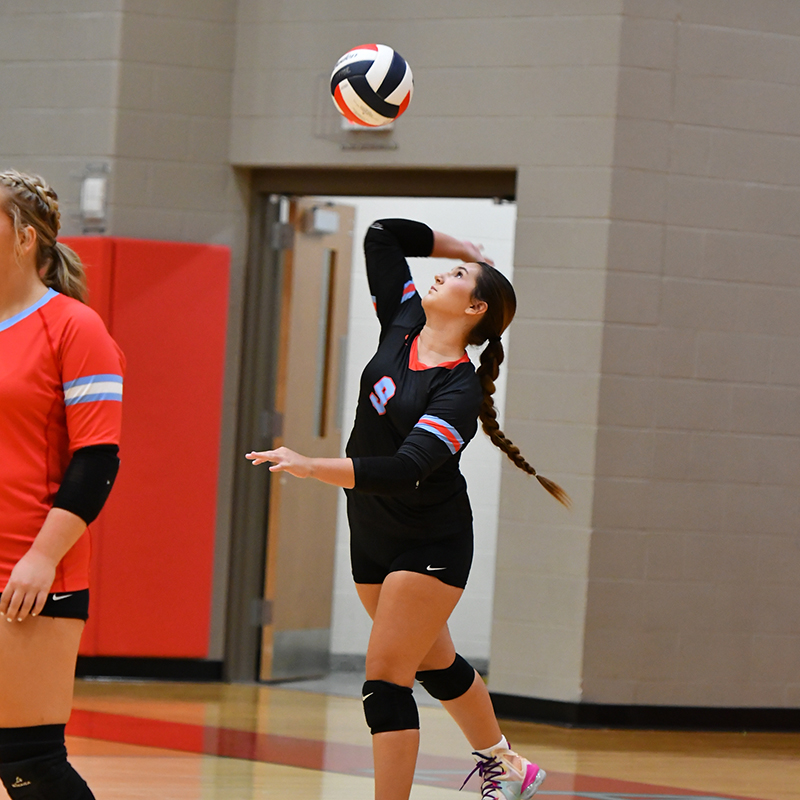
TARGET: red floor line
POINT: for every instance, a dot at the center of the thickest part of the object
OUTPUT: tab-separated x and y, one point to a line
338	757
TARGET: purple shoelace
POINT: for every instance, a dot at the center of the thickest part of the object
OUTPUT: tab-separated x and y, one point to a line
489	770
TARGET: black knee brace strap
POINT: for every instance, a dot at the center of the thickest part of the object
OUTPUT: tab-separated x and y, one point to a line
389	707
34	766
449	683
20	744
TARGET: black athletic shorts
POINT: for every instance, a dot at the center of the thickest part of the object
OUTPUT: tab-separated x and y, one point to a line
447	559
67	605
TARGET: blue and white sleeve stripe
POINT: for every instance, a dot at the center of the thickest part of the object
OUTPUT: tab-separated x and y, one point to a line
93	388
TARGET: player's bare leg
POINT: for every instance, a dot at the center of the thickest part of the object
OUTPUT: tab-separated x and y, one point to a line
37	673
472	711
408	611
37	670
505	774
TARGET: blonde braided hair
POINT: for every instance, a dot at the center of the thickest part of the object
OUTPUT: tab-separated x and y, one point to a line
31	202
496	291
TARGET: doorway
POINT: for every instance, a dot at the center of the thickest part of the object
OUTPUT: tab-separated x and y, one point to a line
296	316
492	224
250	645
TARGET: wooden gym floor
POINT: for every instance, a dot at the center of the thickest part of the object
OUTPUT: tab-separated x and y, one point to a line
177	741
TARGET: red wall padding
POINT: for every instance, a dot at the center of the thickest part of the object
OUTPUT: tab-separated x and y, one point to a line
166	304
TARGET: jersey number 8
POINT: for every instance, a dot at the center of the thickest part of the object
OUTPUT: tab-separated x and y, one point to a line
384	392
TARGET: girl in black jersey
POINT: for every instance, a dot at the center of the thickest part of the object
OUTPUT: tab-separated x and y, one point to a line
410	520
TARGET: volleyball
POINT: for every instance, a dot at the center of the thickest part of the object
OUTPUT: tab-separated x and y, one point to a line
371	85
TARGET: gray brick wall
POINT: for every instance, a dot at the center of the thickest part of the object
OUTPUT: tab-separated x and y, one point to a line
173	179
59	75
695	546
653	369
540	81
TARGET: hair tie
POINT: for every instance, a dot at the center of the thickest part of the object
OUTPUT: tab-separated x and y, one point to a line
494	339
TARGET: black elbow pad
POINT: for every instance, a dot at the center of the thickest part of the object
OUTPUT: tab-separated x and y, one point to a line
387	475
88	481
414	238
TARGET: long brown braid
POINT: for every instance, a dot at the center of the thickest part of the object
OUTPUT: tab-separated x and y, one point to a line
31	202
496	291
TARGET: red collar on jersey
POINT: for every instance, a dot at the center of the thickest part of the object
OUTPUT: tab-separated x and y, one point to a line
415	364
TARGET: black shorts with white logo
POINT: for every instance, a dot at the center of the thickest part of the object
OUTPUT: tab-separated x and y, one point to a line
447	559
67	605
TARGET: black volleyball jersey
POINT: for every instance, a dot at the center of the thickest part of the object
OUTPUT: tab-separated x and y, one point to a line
419	414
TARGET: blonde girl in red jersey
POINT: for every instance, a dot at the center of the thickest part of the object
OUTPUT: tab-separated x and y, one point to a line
60	412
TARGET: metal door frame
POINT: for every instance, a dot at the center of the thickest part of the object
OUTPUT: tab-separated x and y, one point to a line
254	430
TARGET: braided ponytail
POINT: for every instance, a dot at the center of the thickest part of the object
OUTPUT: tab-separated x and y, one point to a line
491	359
31	202
65	273
494	288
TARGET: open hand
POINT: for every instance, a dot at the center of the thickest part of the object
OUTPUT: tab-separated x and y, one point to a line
283	460
474	252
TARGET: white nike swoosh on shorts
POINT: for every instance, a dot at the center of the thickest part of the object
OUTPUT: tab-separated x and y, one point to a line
57	597
433	569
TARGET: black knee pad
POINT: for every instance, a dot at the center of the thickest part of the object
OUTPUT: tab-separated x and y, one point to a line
389	707
450	683
34	766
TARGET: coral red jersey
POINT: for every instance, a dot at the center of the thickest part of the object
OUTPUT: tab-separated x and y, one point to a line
60	390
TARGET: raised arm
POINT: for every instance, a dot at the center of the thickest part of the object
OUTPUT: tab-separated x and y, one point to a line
446	246
387	245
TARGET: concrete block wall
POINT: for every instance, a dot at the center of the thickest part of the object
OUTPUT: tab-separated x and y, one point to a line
541	96
693	579
172	176
654	143
564	151
140	86
489	82
59	78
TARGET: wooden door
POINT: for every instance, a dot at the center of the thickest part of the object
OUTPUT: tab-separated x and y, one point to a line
301	531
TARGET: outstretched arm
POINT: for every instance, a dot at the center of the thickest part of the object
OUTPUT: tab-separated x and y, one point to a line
336	471
385	475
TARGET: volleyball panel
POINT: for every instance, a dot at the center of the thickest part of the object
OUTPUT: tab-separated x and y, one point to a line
381	65
354	62
400	95
356	110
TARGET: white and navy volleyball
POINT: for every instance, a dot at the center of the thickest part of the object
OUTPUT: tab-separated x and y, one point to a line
371	85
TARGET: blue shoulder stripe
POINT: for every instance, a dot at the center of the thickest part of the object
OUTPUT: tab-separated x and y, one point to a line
46	298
